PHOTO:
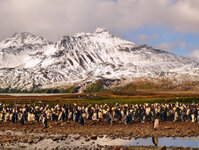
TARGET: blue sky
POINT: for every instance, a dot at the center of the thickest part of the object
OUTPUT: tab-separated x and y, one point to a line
171	25
164	38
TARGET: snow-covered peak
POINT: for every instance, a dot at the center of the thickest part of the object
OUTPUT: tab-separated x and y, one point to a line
27	60
29	38
98	31
23	35
23	38
101	39
101	30
81	34
19	49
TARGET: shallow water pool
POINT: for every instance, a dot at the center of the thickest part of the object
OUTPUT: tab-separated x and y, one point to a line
75	140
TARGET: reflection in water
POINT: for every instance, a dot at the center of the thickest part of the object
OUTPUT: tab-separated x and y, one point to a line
70	142
155	140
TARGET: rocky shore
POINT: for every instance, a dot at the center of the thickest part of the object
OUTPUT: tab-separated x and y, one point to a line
119	129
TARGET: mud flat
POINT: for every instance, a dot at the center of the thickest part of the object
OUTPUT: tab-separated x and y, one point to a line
119	129
99	135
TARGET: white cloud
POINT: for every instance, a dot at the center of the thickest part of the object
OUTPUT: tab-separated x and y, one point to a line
195	54
54	18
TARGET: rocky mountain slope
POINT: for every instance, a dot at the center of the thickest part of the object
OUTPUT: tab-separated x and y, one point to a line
28	61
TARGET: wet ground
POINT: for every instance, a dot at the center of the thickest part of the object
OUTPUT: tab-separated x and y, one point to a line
98	135
75	141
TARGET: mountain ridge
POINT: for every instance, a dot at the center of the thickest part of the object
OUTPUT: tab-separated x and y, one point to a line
28	61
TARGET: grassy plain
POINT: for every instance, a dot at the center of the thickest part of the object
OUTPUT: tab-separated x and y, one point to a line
137	97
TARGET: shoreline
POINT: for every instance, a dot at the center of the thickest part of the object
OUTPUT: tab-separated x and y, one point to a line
33	133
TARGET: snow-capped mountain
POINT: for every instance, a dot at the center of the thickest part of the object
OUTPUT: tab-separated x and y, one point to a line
17	50
28	61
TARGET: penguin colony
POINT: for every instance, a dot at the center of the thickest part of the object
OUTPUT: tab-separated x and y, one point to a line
128	113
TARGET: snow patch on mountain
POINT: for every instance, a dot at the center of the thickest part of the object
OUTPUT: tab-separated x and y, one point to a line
29	61
20	48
